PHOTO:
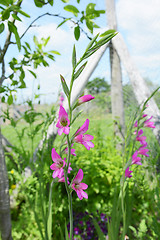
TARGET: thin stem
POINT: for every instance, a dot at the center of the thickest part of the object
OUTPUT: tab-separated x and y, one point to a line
55	15
123	210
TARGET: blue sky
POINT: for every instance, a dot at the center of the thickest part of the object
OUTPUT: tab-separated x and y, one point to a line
138	22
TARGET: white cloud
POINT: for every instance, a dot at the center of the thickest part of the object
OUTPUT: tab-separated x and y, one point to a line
138	21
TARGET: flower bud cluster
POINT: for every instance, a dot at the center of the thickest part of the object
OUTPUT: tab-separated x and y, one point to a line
142	150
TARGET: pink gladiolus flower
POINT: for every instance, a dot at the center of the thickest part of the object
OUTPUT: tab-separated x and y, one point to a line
85	140
82	138
149	124
135	159
85	98
78	186
63	122
128	173
58	165
140	138
143	150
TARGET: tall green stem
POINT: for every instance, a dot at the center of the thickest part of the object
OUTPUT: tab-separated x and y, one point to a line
123	208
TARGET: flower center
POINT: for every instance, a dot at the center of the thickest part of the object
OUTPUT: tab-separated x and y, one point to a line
76	185
60	163
64	122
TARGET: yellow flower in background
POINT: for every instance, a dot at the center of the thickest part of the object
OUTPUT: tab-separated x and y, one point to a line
13	186
12	171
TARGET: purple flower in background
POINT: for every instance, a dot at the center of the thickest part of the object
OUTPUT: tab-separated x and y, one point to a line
141	138
149	124
143	150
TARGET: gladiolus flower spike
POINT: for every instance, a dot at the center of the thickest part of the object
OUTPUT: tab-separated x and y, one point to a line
63	122
78	186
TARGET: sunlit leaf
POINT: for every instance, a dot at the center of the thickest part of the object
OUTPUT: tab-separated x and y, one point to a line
16	17
77	32
13	28
23	13
5	2
33	73
1	27
63	22
73	9
51	2
55	52
10	99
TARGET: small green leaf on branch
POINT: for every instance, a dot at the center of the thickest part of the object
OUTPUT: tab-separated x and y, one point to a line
1	27
77	32
73	9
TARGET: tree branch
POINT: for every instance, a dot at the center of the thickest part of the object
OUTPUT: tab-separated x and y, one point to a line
54	15
8	38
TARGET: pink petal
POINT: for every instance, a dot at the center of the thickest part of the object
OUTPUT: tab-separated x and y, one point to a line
55	173
88	145
60	131
83	186
53	166
87	137
66	130
79	138
62	113
61	173
84	194
58	125
78	177
79	194
83	128
55	156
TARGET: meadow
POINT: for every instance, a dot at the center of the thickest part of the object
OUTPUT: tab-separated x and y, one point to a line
103	169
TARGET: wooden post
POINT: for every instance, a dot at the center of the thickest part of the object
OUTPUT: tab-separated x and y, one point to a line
116	76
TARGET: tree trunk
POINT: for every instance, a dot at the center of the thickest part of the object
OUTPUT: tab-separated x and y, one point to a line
116	76
140	88
5	218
